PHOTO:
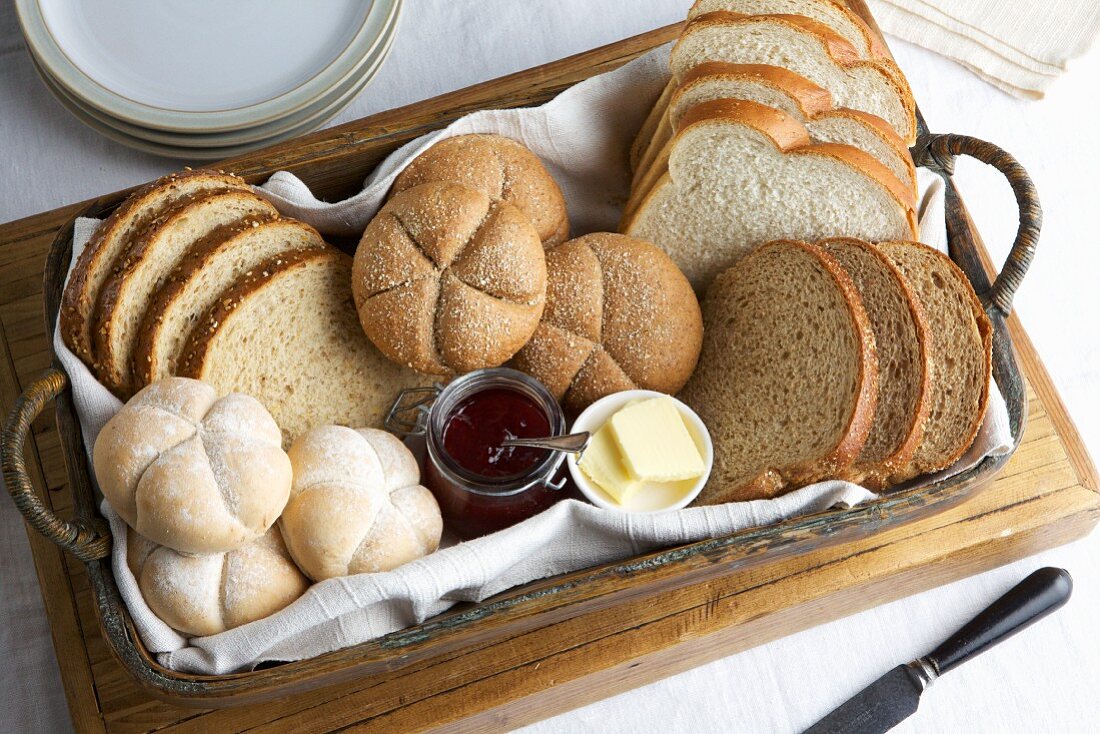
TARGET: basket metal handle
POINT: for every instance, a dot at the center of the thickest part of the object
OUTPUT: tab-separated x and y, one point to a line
84	540
937	153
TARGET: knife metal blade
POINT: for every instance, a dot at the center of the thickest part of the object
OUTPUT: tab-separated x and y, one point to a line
880	706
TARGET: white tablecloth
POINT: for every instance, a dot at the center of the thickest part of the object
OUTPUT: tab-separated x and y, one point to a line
1042	681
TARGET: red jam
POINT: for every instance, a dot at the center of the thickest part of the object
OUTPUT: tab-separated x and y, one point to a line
478	425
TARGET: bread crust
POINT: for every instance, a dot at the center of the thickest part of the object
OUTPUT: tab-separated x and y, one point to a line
773	481
79	300
985	332
502	169
112	369
790	137
836	47
198	257
882	474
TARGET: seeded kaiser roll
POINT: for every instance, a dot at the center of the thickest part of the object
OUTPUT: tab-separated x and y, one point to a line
447	281
619	316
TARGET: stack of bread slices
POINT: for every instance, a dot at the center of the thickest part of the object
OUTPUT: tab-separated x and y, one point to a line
195	275
840	360
781	119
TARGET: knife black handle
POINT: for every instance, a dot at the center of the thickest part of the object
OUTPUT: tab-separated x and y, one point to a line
1035	597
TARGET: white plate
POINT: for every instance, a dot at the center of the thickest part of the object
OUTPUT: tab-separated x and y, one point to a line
202	154
202	65
212	145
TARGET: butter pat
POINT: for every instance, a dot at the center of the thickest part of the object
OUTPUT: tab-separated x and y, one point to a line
654	442
603	464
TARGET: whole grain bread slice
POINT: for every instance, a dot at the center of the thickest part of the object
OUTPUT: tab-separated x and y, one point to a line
741	173
144	268
211	266
901	345
101	256
288	335
961	354
787	380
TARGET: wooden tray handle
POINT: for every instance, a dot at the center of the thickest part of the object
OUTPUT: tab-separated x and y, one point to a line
937	153
84	540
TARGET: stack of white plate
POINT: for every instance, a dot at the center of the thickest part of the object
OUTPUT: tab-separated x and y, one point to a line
206	79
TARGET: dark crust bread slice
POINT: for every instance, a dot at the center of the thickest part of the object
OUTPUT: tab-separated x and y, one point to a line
99	257
879	475
114	370
985	333
197	258
777	480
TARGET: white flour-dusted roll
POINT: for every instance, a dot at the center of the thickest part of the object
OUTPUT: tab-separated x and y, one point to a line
207	594
191	471
357	505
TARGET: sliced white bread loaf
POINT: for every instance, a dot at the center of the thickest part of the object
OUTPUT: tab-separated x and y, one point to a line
833	13
145	266
783	89
902	348
787	380
960	355
101	255
288	334
807	48
210	267
740	174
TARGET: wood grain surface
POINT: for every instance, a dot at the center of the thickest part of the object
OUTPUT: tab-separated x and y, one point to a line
1047	495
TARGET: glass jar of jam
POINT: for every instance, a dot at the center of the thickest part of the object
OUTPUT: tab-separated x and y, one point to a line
480	485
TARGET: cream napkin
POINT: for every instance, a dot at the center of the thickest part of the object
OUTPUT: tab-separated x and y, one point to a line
583	136
1019	46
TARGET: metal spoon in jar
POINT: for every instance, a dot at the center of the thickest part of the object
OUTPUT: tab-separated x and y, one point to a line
573	443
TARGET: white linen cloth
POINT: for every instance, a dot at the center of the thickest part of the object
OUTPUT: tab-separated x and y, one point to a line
582	136
1018	46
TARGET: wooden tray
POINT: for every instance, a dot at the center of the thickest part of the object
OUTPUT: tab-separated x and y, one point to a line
594	632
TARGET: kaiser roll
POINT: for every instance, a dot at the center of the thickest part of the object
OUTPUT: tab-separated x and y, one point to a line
447	281
211	593
500	168
191	471
619	315
357	505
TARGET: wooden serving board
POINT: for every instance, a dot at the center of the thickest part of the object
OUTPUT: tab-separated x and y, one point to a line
1046	496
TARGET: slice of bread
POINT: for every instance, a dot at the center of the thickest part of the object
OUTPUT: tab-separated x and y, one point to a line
786	91
961	354
833	13
807	48
741	174
101	255
144	268
289	336
649	126
210	267
901	346
787	380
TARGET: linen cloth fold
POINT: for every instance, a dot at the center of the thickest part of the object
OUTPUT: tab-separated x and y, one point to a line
1019	46
583	136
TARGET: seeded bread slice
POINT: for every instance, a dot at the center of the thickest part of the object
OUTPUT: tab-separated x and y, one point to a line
210	267
901	345
145	267
741	173
961	354
806	47
288	335
101	255
787	380
786	91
